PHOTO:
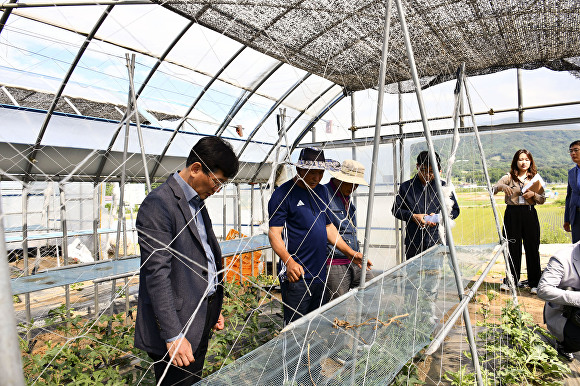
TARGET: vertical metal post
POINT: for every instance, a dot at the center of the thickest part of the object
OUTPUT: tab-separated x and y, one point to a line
121	211
353	123
398	259
25	256
238	208
131	68
374	166
11	363
456	114
96	242
498	226
520	96
224	212
400	229
252	225
444	211
64	240
96	222
127	302
268	252
353	130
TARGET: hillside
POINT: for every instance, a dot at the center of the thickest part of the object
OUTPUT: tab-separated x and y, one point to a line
548	147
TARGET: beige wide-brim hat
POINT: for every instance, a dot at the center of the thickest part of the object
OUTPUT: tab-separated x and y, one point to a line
351	171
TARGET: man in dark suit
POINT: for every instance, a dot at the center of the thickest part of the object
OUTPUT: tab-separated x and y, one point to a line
572	211
180	297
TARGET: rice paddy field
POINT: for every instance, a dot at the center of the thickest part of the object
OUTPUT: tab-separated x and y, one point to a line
476	224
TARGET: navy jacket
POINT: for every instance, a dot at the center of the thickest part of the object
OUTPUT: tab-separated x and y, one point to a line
173	275
572	196
413	198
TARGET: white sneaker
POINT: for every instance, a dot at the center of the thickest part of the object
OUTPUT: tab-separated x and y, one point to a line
504	287
534	291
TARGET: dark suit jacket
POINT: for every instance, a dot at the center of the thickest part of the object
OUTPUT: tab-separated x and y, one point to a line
173	275
572	195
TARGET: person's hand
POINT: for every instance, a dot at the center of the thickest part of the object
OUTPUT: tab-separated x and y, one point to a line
358	258
418	218
429	223
220	323
529	195
183	353
506	189
294	271
567	227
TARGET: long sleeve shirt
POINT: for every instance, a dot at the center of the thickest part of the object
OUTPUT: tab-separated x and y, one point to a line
414	198
514	198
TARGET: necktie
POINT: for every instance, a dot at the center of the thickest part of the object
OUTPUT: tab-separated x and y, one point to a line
196	203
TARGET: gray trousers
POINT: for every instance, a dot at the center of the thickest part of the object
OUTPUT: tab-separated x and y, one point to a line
342	278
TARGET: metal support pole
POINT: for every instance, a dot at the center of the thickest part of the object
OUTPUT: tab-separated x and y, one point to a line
353	136
121	211
238	208
131	67
520	96
224	213
96	221
374	166
252	226
456	113
25	256
11	363
400	229
444	211
498	226
64	240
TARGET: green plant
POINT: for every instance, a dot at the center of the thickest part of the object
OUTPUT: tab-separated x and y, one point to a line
551	235
120	291
77	286
84	352
409	375
515	352
244	329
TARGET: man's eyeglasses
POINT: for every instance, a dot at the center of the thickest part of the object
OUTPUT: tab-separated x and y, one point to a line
217	184
575	150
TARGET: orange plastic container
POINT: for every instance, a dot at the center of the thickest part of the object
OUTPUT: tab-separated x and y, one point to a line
232	263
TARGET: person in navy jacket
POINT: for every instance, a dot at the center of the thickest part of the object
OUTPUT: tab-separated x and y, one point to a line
416	199
572	211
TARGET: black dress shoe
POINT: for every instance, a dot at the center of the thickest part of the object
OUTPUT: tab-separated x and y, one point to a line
564	354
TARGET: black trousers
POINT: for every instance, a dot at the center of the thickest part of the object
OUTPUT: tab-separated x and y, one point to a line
188	375
571	341
521	224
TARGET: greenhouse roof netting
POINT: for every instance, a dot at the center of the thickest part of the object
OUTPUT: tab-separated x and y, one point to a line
342	40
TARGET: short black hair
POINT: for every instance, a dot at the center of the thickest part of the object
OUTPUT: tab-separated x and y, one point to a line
423	159
213	153
574	143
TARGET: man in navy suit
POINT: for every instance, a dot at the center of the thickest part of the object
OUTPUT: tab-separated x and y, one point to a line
180	295
572	211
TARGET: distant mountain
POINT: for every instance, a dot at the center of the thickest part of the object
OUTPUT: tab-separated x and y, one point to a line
548	147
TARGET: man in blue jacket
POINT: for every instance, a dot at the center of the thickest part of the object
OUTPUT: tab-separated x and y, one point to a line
572	211
417	203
